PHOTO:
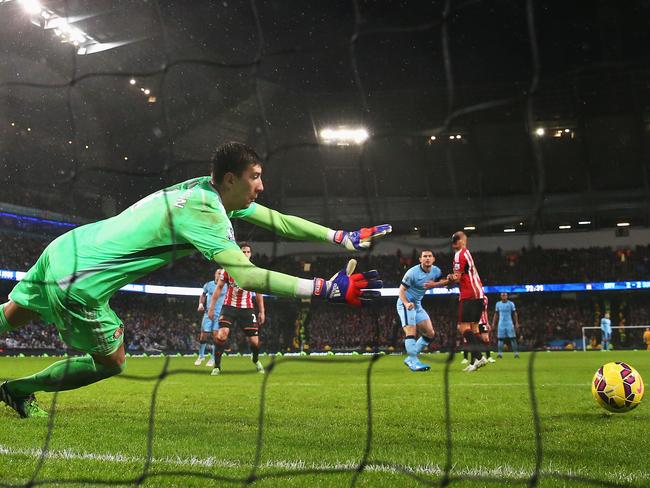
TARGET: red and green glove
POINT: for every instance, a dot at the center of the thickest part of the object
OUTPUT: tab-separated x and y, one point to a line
346	286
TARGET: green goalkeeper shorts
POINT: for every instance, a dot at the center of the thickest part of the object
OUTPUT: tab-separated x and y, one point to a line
93	328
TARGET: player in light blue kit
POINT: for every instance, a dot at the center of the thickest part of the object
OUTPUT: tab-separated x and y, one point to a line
606	329
504	311
207	325
414	318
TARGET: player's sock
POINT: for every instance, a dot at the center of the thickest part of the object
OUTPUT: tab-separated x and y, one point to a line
255	351
421	343
202	349
465	353
63	375
4	323
515	346
220	346
480	344
409	345
487	351
500	347
472	344
214	350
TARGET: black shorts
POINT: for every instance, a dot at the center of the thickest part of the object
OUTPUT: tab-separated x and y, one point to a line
239	317
470	311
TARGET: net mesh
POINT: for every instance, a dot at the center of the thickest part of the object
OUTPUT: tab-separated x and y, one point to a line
458	106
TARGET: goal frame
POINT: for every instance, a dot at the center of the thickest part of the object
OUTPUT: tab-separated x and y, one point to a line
584	337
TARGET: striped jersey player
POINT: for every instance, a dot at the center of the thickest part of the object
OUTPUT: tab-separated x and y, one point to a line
471	304
237	310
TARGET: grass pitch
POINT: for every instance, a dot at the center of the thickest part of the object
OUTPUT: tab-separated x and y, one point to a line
206	429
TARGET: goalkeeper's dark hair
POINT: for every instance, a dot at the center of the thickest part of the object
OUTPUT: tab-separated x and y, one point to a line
232	157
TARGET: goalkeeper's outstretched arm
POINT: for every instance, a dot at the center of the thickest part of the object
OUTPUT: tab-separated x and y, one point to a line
305	230
344	287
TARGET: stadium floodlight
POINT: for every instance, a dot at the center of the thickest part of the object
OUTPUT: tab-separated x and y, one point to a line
584	222
564	227
509	229
622	224
48	19
32	7
540	131
344	136
469	227
132	81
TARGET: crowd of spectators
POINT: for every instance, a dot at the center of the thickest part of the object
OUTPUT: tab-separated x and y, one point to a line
155	324
159	323
496	268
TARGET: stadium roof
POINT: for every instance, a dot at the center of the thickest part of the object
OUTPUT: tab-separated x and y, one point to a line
172	82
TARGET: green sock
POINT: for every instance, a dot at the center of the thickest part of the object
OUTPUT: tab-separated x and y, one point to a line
4	324
63	375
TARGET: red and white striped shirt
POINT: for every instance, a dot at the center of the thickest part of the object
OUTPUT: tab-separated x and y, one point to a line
470	284
236	296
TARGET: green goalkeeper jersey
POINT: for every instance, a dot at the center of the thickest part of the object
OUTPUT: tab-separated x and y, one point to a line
93	261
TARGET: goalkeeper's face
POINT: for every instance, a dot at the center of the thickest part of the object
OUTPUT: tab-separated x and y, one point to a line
246	188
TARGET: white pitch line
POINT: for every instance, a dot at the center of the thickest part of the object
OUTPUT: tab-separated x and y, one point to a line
428	385
505	472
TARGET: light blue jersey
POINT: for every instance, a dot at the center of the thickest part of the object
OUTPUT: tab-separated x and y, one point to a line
506	327
414	280
606	327
208	290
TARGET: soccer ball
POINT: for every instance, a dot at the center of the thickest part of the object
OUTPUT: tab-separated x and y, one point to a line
617	387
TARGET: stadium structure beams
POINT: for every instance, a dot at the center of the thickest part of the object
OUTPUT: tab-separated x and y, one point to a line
487	211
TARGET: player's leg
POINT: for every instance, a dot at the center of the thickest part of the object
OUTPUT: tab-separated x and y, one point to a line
468	316
214	327
485	339
203	341
407	318
253	338
220	337
105	357
513	344
227	319
500	342
424	327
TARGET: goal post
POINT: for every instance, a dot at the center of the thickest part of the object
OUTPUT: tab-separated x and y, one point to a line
623	327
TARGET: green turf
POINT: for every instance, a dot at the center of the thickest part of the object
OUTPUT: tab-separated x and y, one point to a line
315	418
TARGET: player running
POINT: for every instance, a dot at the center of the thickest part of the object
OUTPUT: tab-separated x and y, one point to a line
470	306
237	310
606	330
417	280
72	281
208	325
504	312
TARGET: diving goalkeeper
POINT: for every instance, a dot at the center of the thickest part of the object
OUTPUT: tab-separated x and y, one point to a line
72	281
